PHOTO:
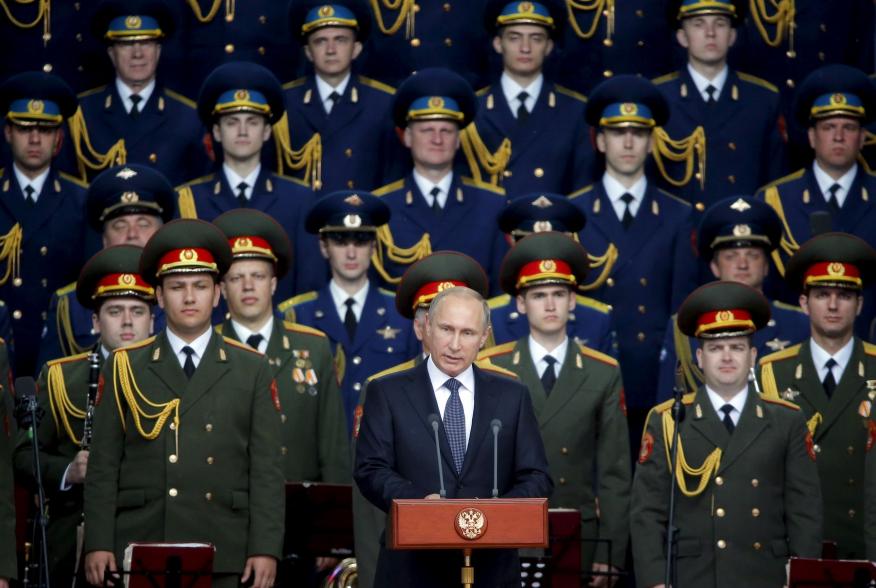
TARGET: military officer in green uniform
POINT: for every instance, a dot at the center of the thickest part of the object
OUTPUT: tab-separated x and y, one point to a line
314	438
577	395
186	430
830	376
120	301
748	495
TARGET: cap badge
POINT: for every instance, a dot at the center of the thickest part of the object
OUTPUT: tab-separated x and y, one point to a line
445	286
436	102
838	99
352	221
188	255
242	243
133	22
126	173
836	269
547	265
542	226
542	202
127	280
36	107
130	197
740	205
525	7
629	108
741	231
354	200
326	11
241	95
725	316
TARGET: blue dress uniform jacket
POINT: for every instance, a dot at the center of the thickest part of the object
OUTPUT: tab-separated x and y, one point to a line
787	326
445	34
589	324
641	43
52	250
468	224
551	151
167	135
285	199
359	144
395	458
795	198
744	149
653	273
383	337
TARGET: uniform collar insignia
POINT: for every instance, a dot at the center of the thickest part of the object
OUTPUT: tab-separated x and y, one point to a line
388	332
777	344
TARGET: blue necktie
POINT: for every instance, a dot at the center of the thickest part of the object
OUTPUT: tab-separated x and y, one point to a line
454	423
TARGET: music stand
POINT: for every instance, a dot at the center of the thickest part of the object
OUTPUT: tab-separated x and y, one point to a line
827	573
164	565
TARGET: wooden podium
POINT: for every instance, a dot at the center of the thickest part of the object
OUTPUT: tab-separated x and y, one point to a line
467	524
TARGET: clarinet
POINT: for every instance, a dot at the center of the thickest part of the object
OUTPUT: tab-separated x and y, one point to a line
93	379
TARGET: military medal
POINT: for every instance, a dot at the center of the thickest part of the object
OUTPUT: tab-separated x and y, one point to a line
790	394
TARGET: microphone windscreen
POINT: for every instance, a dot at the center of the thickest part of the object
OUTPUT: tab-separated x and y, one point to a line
25	387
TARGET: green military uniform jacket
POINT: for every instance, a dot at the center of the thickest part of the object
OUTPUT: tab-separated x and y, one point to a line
221	482
8	563
870	495
313	426
62	391
760	503
840	428
584	428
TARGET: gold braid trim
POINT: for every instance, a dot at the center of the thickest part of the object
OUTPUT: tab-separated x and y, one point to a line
123	378
768	381
599	8
308	158
87	157
869	141
199	14
387	249
64	323
478	156
186	203
693	375
813	423
340	363
688	150
606	261
782	18
787	244
44	13
709	467
405	15
10	252
60	403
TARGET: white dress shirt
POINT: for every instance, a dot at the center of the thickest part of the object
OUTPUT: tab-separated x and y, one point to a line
234	180
339	297
820	357
125	94
825	182
512	89
245	333
737	402
37	183
702	83
538	353
425	185
442	394
325	90
615	190
199	345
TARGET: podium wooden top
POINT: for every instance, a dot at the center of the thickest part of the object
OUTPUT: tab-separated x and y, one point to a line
491	523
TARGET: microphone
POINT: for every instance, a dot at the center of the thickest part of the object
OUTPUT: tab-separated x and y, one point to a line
435	421
496	425
679	390
27	411
820	222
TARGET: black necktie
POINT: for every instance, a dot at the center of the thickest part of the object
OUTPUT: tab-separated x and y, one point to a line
522	112
832	200
189	365
334	97
350	319
627	219
829	382
254	341
710	90
28	195
549	376
135	109
241	194
728	422
436	206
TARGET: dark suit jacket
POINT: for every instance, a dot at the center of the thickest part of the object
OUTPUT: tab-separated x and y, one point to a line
395	459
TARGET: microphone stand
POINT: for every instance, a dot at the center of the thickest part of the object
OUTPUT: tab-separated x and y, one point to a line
671	572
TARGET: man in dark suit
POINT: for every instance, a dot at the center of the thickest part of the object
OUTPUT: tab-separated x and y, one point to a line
395	443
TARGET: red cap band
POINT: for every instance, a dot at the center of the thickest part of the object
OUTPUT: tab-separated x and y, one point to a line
832	272
725	320
190	259
545	270
429	291
123	284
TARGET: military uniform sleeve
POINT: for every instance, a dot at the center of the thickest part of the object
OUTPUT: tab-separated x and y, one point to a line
334	448
267	497
8	563
613	474
803	506
649	505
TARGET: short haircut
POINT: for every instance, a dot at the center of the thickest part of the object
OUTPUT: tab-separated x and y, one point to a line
460	292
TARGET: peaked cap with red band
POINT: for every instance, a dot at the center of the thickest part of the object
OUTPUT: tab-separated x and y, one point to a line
723	309
832	260
113	272
252	234
544	258
433	274
185	246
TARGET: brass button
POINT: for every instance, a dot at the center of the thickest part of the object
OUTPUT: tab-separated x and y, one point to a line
263	19
643	281
642	309
229	48
208	496
755	512
357	386
515	315
700	206
757	546
229	18
722	544
348	152
44	250
173	426
47	68
357	360
446	7
731	179
262	50
210	460
16	314
507	173
698	176
789	82
172	458
208	427
284	450
562	481
538	172
79	37
851	513
283	418
640	336
17	282
732	146
350	184
640	13
607	73
153	157
719	481
172	492
720	512
389	349
564	451
415	42
851	450
821	56
823	27
416	8
641	43
448	42
610	282
755	483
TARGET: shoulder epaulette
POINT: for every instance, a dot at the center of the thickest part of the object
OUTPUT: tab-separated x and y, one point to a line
239	345
299	328
786	306
757	81
181	99
784	179
503	349
219	328
592	303
196	181
581	191
570	93
780	402
597	355
483	91
674	197
73	179
66	289
371	83
87	93
69	358
137	345
472	183
869	348
292	179
488	366
295	300
393	370
667	404
389	188
499	301
294	83
666	78
791	351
